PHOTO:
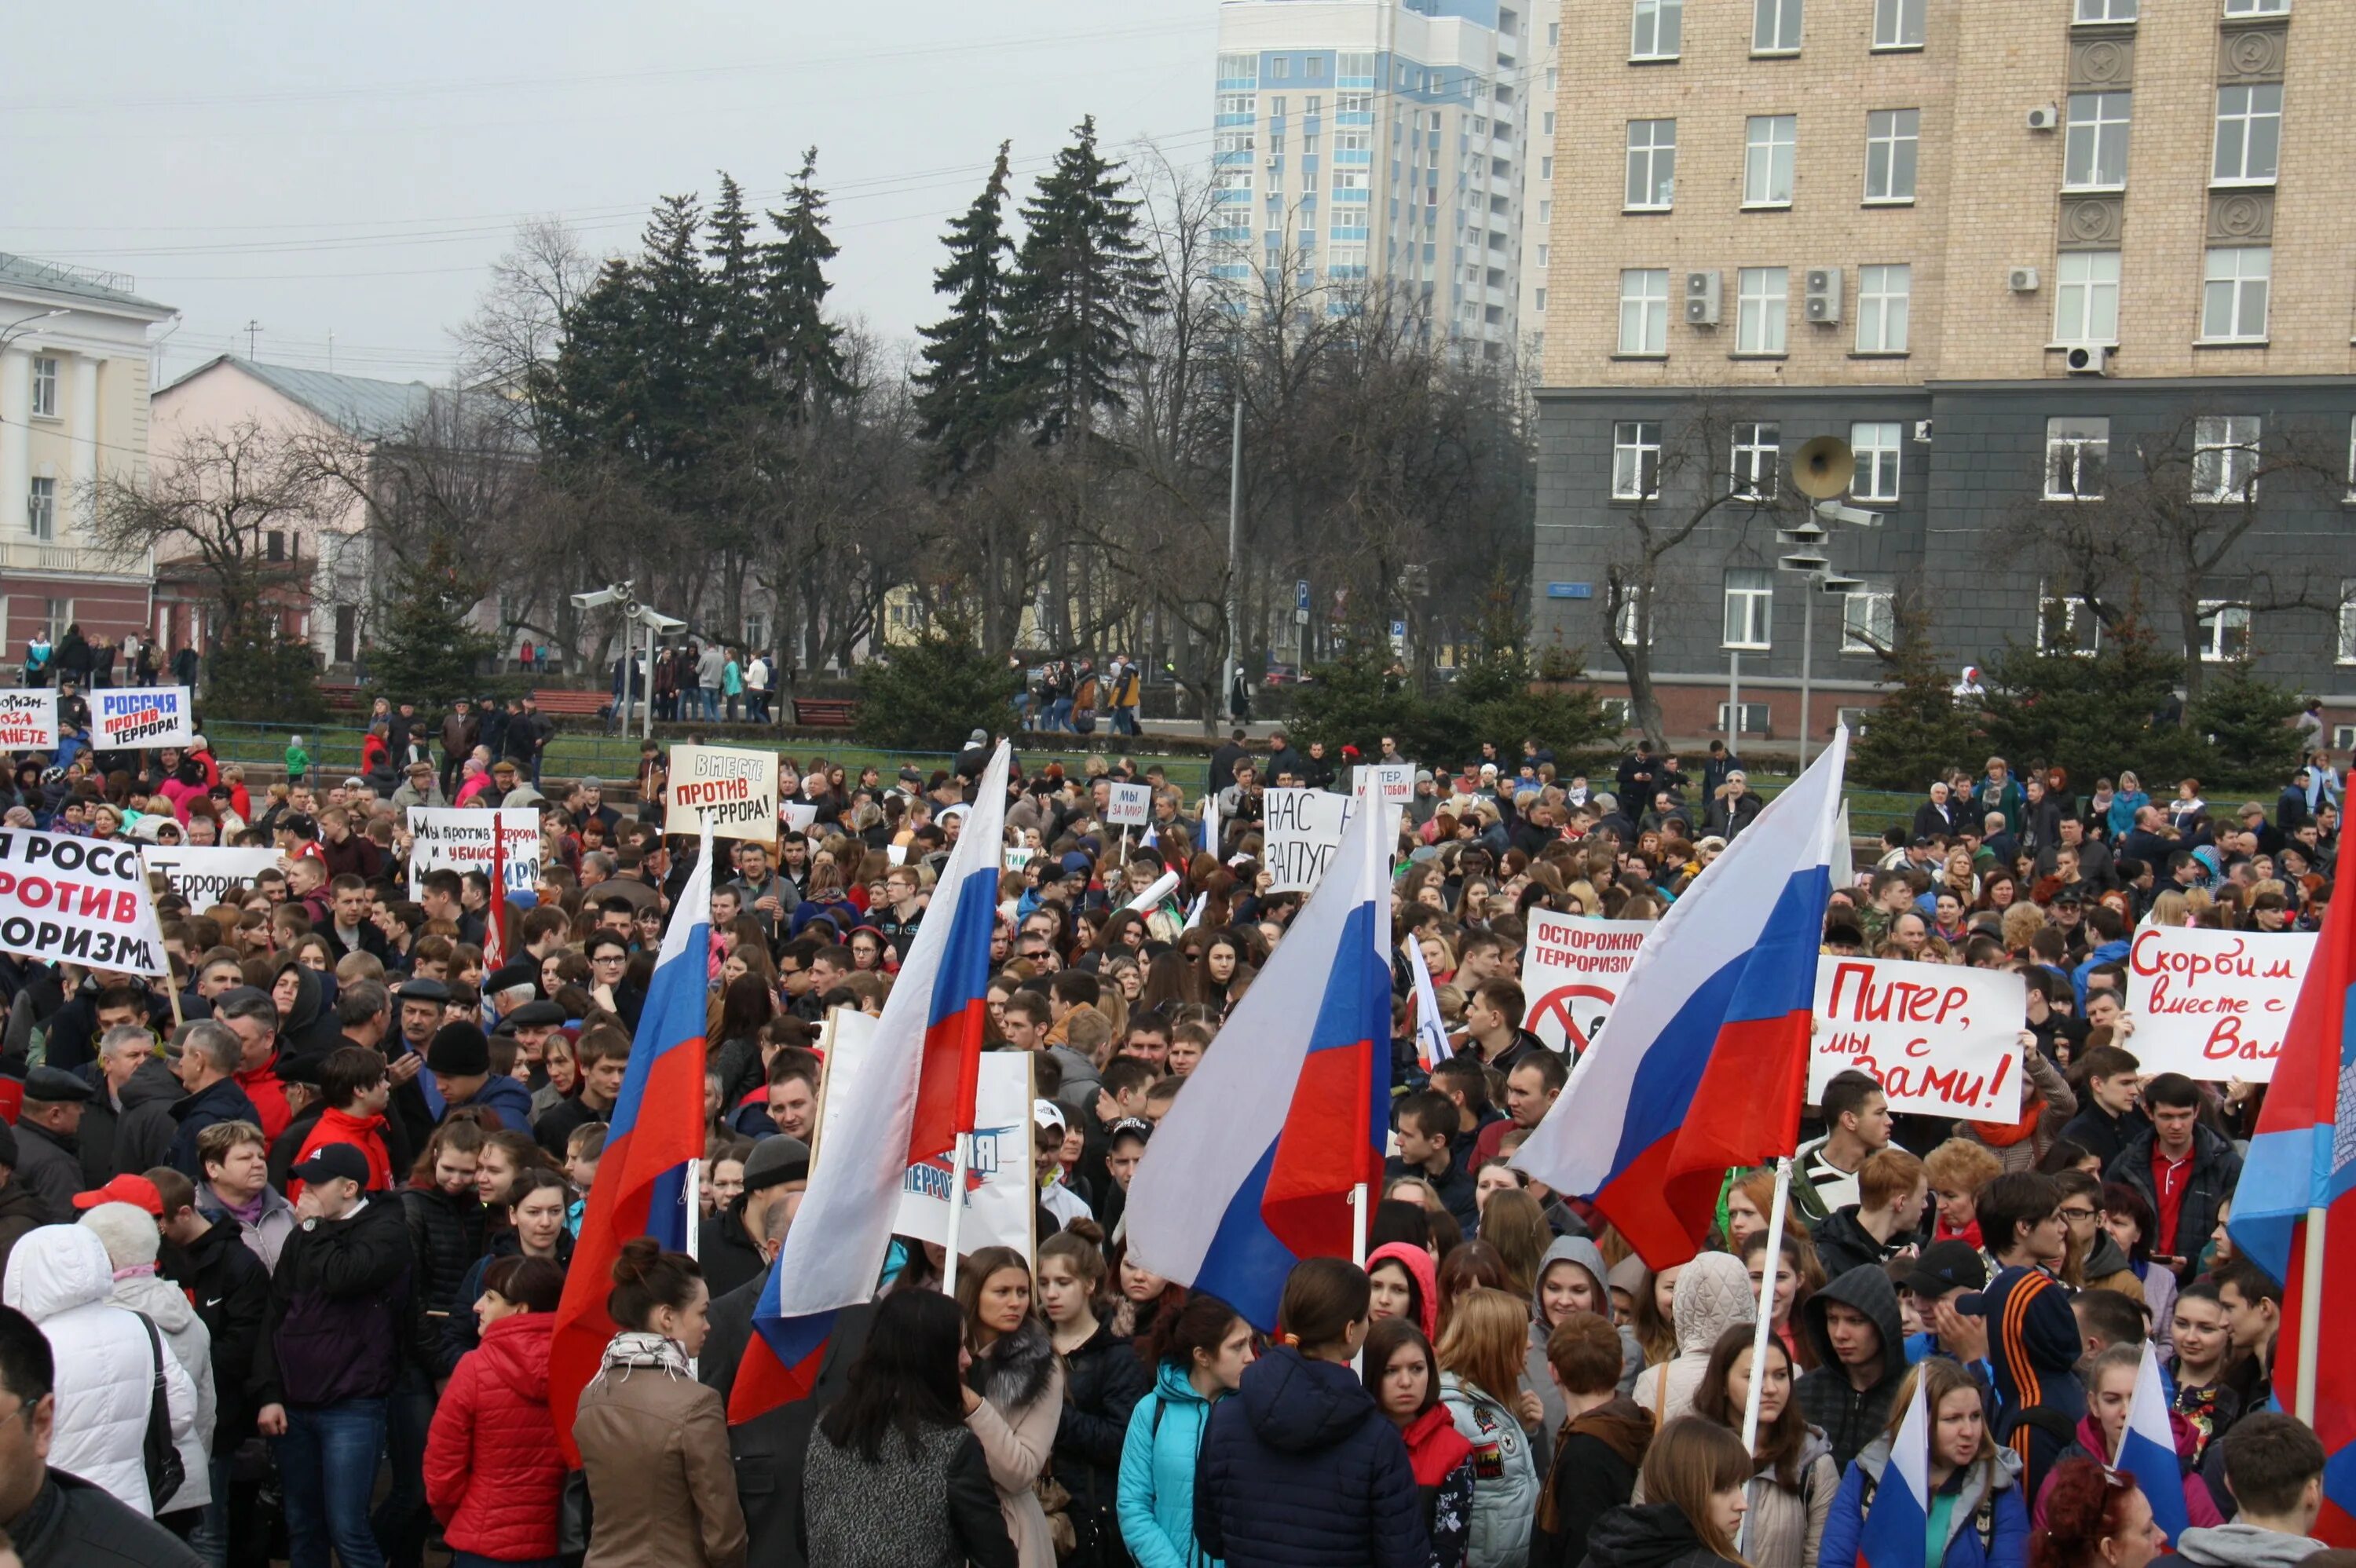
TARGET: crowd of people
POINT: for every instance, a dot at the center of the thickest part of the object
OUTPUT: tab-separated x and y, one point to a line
283	1235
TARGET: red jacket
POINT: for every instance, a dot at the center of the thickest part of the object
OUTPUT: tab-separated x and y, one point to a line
269	1097
365	1133
493	1472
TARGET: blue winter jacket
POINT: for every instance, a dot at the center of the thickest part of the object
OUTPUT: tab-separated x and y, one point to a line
2008	1544
1157	1473
1300	1470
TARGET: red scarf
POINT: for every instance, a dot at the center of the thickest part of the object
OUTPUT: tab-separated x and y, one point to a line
1434	1446
2004	1134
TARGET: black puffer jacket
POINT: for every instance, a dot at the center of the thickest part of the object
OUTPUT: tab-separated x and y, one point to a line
74	1524
445	1234
1103	1381
231	1292
1653	1535
101	1159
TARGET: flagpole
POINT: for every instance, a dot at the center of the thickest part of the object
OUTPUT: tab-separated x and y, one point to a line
1770	1264
958	1157
2311	1317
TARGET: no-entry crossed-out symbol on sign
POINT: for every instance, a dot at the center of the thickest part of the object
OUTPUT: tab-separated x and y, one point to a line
1567	1018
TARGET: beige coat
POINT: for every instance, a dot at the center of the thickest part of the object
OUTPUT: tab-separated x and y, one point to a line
1018	1452
662	1487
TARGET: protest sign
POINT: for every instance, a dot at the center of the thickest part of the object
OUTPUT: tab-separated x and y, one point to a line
1571	972
82	899
29	720
205	877
2214	1004
1941	1041
460	840
1129	806
1395	780
1018	857
1302	829
123	717
798	816
733	792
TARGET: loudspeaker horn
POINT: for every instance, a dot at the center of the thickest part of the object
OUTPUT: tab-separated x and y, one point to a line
1822	468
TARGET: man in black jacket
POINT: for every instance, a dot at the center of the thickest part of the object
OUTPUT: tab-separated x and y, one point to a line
55	1520
1860	1342
2184	1170
48	1150
224	1278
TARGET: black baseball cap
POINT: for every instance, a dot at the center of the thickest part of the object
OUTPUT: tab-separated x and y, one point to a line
1944	1266
329	1161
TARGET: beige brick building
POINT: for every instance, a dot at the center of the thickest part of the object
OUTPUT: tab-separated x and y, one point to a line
1954	231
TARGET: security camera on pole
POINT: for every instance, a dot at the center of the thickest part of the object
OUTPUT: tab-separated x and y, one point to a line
624	595
1821	470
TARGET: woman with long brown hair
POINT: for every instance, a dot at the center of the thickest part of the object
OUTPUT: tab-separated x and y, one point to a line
1792	1487
1017	1385
1975	1491
1481	1351
1401	1371
1696	1477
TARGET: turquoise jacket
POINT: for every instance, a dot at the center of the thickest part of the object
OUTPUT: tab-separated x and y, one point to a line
1157	1473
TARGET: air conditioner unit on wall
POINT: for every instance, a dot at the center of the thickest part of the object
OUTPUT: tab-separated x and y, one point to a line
2086	360
1703	299
2022	279
1824	296
2045	117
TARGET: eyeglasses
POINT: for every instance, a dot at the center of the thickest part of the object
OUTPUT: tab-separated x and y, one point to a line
2076	1215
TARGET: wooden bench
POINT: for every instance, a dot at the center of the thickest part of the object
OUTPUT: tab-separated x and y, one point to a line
341	698
825	712
572	704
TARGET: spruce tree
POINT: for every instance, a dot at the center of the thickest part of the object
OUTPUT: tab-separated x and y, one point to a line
738	347
804	349
587	398
961	399
1919	731
426	650
675	312
1085	284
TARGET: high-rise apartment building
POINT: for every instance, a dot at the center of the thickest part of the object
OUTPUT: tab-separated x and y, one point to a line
1386	140
2024	256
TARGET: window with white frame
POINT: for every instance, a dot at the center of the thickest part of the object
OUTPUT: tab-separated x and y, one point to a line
1630	627
2249	135
1750	607
2077	456
2224	632
1635	460
1892	137
1279	68
2105	11
1883	296
1775	26
1239	68
2086	297
2256	7
1241	103
1354	103
1758	459
2347	650
2352	460
1651	164
1763	313
45	387
1645	310
2233	293
2094	146
1770	149
1234	142
41	509
1868	621
1355	66
2225	457
1655	32
1897	24
2067	625
1876	446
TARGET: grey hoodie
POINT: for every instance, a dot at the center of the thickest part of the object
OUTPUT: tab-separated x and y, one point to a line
2244	1546
1584	1252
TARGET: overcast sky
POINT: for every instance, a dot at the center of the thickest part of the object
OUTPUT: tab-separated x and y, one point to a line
330	169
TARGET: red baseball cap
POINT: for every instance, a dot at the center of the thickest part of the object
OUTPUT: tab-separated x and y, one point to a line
136	1190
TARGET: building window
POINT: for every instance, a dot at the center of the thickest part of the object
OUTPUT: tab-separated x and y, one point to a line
1635	460
1897	24
1892	138
1631	626
1758	461
2234	295
1764	310
2105	11
1279	68
2086	297
2067	625
1775	26
1645	311
2225	457
1882	296
1234	142
1750	607
1655	32
2094	150
1239	68
1876	448
2224	632
1315	68
1244	103
2346	653
2256	7
2077	454
2249	135
1773	145
45	387
1868	621
41	509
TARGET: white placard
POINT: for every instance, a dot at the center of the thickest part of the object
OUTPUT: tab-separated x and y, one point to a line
28	718
733	791
799	815
81	899
1301	829
1571	971
459	838
1395	780
1129	806
2214	1004
141	716
205	875
1018	857
1940	1039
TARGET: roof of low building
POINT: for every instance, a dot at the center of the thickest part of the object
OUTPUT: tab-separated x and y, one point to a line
361	405
81	283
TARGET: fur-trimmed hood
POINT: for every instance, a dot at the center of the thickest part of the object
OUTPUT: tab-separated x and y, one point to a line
1013	1372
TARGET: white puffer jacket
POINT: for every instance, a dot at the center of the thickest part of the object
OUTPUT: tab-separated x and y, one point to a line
59	1277
165	1304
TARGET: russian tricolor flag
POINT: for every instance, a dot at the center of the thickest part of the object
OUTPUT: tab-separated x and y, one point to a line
1254	1167
1706	1061
1896	1532
2147	1449
908	1102
652	1142
2300	1172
